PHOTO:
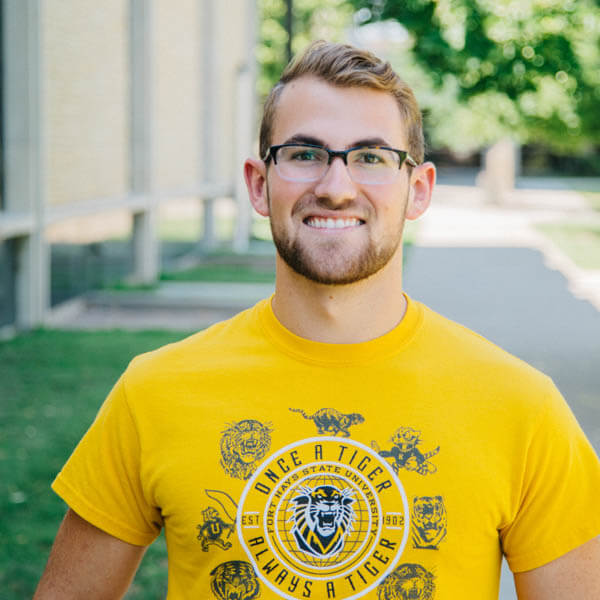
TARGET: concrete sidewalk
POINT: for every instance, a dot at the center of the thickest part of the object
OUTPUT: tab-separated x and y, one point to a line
183	306
459	217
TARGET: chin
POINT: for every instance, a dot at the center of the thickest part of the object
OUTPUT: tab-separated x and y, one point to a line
326	271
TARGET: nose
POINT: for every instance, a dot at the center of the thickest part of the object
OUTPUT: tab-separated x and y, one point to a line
336	187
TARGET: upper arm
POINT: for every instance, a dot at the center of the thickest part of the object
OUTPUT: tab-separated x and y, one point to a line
574	576
87	562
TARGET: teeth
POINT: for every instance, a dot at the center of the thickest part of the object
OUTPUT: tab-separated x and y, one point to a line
330	223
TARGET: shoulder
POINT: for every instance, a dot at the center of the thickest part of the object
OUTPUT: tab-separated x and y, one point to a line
457	352
452	338
203	350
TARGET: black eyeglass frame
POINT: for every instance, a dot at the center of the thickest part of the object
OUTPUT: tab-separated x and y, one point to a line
403	155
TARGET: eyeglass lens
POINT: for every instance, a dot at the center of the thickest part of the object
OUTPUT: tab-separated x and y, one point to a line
365	165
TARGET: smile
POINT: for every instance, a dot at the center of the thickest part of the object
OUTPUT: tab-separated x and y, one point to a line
330	223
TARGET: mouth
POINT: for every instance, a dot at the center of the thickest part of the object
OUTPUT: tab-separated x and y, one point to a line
327	520
330	223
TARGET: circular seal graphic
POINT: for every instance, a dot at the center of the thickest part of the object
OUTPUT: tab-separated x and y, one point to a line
323	518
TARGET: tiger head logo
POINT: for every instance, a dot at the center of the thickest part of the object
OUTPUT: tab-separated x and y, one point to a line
234	580
323	516
428	521
407	582
243	444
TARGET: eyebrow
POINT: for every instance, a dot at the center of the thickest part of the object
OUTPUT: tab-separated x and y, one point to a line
377	141
309	139
304	139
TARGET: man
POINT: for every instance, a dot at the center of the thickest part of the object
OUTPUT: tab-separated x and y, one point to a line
338	440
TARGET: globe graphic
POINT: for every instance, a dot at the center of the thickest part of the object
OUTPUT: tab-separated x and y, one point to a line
353	537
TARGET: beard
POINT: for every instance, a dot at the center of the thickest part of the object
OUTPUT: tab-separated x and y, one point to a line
333	263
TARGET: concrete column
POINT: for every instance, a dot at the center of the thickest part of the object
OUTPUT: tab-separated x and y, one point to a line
24	156
500	171
145	247
209	122
245	128
146	256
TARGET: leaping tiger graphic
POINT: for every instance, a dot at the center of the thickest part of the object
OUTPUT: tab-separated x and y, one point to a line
332	421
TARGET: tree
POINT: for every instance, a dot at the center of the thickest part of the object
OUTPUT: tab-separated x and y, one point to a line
529	69
312	19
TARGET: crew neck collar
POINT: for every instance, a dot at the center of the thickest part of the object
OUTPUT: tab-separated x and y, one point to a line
340	354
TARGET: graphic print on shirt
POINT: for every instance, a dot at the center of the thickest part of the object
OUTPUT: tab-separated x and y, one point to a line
214	529
408	582
234	580
428	522
406	454
243	444
332	421
323	517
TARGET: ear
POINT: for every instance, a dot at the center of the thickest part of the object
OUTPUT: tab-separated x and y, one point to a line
422	181
255	174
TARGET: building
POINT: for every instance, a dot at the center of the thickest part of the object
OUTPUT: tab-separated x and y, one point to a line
111	111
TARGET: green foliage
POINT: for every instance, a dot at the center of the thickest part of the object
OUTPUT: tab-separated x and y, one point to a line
271	52
529	69
53	383
312	20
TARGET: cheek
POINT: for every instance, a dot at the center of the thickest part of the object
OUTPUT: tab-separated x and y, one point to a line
391	214
287	197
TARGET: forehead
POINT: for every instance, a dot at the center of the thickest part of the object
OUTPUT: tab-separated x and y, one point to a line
339	116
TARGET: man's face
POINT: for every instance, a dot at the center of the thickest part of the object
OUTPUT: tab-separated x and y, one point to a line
336	231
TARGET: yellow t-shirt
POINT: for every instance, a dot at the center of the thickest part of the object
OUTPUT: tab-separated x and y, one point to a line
397	468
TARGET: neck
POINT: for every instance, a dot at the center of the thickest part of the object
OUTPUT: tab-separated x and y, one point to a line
340	314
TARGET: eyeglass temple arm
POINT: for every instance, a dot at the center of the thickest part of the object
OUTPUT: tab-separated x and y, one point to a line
410	160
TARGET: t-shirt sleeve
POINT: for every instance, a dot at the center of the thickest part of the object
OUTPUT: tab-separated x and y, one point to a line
101	480
558	502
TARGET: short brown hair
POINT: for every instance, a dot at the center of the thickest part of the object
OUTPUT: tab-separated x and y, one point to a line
346	66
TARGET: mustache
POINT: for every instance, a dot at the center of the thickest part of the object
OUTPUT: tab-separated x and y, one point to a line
307	204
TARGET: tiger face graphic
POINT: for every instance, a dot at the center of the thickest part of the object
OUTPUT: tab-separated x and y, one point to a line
243	444
323	516
428	521
234	580
407	582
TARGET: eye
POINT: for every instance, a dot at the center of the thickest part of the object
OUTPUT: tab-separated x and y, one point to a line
304	155
368	157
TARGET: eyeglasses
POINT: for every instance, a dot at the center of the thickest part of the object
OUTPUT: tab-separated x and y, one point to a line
365	164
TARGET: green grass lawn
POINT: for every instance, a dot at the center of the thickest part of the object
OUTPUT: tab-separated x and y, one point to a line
52	384
244	268
580	242
593	198
225	272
